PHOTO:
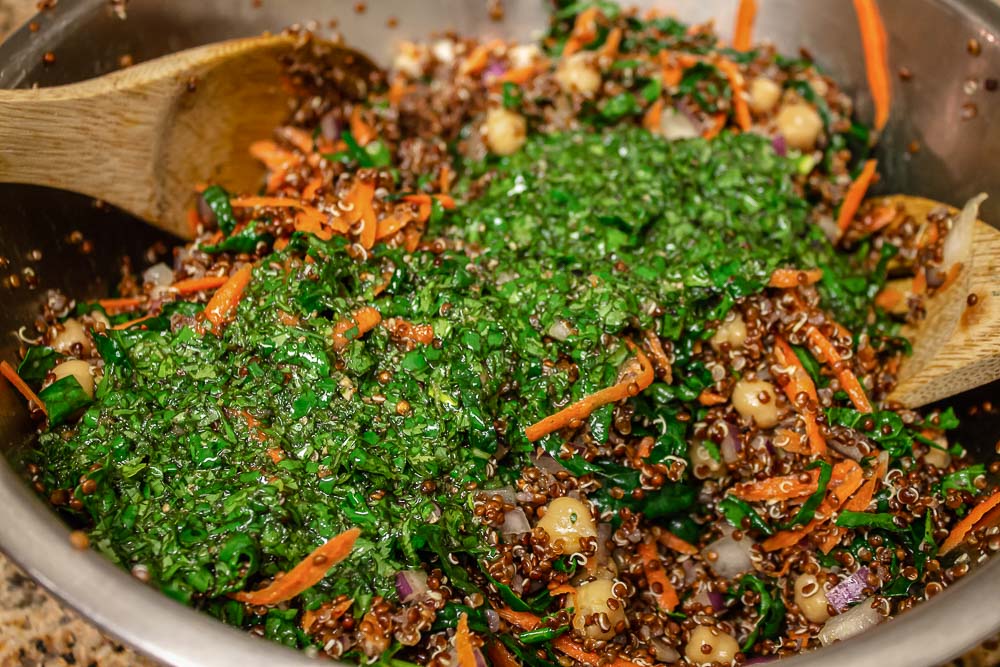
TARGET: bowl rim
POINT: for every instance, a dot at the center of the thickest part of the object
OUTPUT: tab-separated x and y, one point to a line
35	539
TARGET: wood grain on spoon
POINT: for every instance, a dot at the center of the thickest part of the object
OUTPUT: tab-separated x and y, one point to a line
956	347
143	137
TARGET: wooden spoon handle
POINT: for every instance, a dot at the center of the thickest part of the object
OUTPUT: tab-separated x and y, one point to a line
95	140
962	354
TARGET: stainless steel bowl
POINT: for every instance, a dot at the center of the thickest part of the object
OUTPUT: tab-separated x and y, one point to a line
88	37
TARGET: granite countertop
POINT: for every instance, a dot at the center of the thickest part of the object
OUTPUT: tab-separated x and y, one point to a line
36	630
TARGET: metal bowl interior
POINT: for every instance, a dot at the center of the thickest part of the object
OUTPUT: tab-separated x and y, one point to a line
88	38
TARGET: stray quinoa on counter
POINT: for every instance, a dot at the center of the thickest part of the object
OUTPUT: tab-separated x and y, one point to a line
575	352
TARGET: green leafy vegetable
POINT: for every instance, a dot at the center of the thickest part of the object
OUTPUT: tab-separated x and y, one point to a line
218	200
63	399
808	509
36	365
883	520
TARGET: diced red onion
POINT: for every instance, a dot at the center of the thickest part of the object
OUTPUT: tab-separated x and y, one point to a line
548	464
480	660
760	660
205	211
508	494
664	651
494	69
730	447
159	274
780	145
852	622
492	619
709	598
732	556
411	584
329	127
849	591
515	522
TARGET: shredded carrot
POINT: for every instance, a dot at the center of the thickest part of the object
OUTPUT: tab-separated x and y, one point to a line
671	541
362	132
447	202
859	501
363	320
801	382
500	656
222	306
718	122
888	298
121	305
132	323
584	31
741	108
848	380
479	58
796	443
968	523
282	243
300	139
745	17
790	278
309	572
391	224
192	285
528	621
785	487
194	221
855	194
919	285
611	43
562	590
659	582
846	479
671	71
518	75
881	217
651	119
875	43
397	90
444	179
951	277
709	398
310	224
273	156
360	198
645	447
633	382
22	387
463	643
309	193
661	362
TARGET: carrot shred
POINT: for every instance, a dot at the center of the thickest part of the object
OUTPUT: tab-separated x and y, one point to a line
657	577
848	380
193	285
390	225
562	590
797	443
611	43
888	298
463	643
791	278
273	156
651	119
22	387
309	616
631	384
309	193
584	31
362	132
444	179
479	58
875	43
361	198
741	108
222	306
193	221
447	202
661	362
528	621
784	487
951	276
121	305
968	523
500	655
518	75
309	572
718	122
364	320
846	479
855	194
132	323
745	17
674	543
801	382
709	398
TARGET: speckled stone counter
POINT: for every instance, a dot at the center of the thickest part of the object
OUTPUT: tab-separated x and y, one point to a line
36	630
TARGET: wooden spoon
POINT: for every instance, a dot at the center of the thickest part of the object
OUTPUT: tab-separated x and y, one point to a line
956	347
141	138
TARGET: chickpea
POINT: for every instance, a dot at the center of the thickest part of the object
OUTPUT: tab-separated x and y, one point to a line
764	95
78	369
523	55
756	399
596	602
939	458
566	521
72	333
703	464
811	598
506	131
577	74
711	645
733	330
800	124
100	318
